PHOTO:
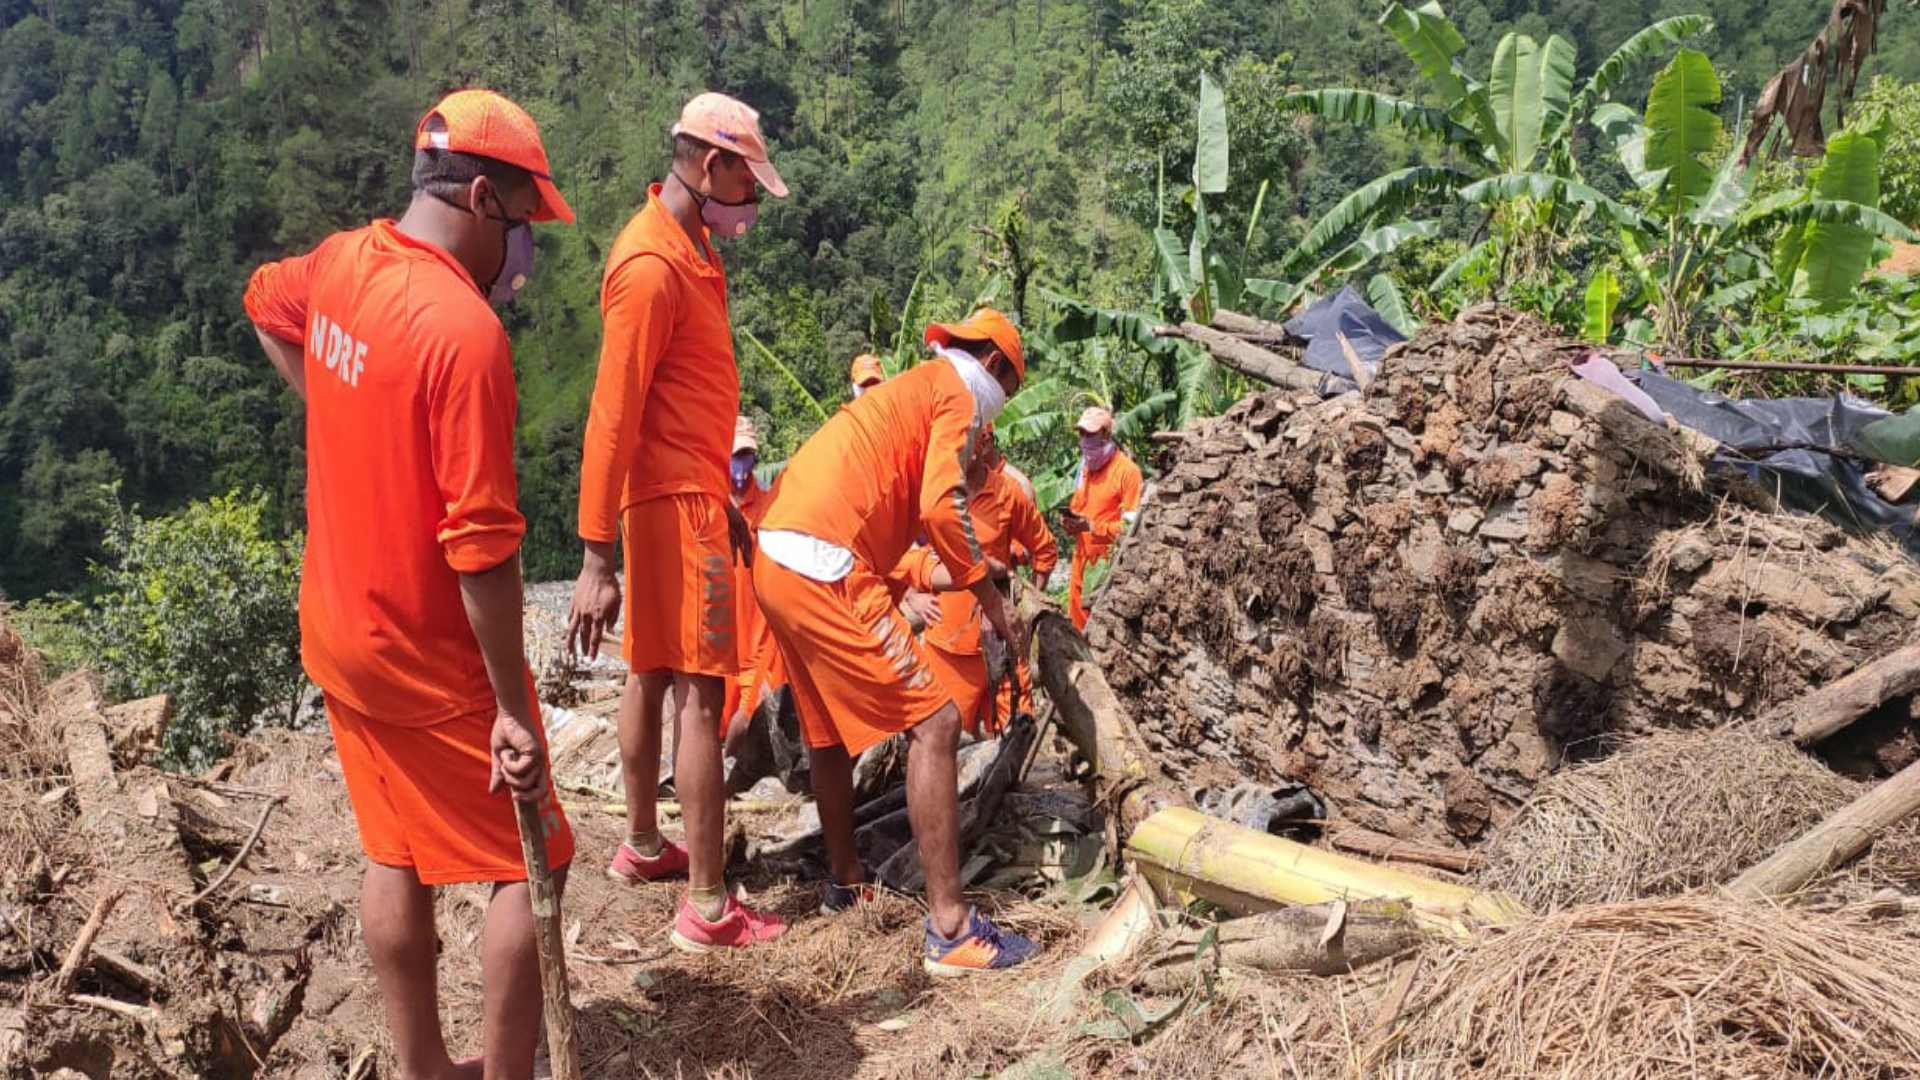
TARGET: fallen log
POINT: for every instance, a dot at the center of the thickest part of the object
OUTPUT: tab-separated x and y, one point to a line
1257	330
1321	939
1245	357
1182	852
1831	843
1828	709
1380	846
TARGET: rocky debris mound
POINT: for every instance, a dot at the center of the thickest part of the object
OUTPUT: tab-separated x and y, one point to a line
1419	599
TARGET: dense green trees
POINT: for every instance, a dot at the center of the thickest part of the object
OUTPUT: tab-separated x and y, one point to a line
153	151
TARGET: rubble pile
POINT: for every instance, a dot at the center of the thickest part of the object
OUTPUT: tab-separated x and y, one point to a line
1420	599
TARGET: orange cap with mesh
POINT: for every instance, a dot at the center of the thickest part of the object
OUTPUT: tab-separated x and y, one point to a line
867	370
985	325
1095	419
727	123
486	124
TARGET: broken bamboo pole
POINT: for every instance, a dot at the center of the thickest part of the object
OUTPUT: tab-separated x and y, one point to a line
1322	939
1246	357
1829	708
1848	832
1181	851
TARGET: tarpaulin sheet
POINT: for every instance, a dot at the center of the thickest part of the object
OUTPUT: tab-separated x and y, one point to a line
1343	313
1812	454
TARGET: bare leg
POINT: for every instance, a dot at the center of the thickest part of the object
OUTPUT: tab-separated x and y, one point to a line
396	917
933	805
510	976
698	778
833	796
639	729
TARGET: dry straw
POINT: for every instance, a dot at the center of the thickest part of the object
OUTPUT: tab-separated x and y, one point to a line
1666	813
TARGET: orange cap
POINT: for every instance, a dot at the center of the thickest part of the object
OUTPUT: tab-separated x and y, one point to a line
730	124
486	124
743	436
1093	420
985	325
867	370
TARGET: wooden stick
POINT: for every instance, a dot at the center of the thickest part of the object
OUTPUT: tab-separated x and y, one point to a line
127	970
1354	364
77	954
1247	326
259	826
1829	708
1381	846
1831	843
142	1014
1248	359
550	942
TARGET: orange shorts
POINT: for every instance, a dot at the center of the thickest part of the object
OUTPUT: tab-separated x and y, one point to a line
420	798
965	677
679	564
859	675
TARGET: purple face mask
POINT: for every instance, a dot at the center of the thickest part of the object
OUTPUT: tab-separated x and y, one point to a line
516	267
729	221
1096	451
741	466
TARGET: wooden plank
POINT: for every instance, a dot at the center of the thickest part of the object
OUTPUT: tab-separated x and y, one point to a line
1830	844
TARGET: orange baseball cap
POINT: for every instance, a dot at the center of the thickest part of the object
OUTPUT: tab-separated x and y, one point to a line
486	124
731	124
984	325
1093	420
867	370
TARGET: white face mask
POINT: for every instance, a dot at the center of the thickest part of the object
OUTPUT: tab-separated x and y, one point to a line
988	395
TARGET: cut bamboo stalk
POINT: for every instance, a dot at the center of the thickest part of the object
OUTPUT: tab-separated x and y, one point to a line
1848	832
1184	852
1245	357
1828	709
1323	939
1380	846
549	943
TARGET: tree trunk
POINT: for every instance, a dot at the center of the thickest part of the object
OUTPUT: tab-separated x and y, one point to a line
1834	841
1320	939
1830	708
1246	358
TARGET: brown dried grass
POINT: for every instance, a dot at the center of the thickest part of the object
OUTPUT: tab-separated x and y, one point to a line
1664	814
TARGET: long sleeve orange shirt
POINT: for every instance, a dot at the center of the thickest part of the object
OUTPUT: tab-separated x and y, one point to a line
889	465
668	390
1102	498
1003	516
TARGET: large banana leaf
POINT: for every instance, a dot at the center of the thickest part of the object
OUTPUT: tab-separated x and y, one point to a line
1557	59
1622	127
1079	321
1210	145
1432	42
1726	196
1636	48
1385	196
1371	245
1459	266
1034	412
1387	298
1546	187
1530	89
1681	127
1602	300
1376	110
1836	253
1173	262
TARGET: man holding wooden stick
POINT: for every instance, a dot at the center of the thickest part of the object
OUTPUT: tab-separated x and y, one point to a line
410	598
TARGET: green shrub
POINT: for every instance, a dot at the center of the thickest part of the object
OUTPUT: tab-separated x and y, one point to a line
203	605
56	627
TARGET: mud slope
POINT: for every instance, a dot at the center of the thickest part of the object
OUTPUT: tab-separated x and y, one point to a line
1420	599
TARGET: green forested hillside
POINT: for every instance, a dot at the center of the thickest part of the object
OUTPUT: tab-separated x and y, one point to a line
152	153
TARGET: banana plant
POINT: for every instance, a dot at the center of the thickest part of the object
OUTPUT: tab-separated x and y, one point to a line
1508	137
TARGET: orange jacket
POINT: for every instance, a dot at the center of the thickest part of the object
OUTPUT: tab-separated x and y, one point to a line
410	483
1101	498
1003	516
888	466
667	392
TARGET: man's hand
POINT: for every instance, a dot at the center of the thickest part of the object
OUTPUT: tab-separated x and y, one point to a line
1001	615
519	764
1073	522
740	534
924	606
596	602
997	570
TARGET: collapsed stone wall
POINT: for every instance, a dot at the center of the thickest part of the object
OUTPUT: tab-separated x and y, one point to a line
1421	598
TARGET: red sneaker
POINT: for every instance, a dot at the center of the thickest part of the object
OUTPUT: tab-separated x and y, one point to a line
737	927
633	868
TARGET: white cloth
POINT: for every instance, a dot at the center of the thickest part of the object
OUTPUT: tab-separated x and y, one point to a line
808	556
988	395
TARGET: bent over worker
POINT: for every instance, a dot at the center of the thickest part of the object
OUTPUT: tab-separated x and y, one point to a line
410	598
1106	496
653	475
889	465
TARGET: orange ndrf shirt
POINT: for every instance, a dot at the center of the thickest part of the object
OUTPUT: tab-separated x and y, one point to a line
1102	497
890	464
667	392
410	483
1003	515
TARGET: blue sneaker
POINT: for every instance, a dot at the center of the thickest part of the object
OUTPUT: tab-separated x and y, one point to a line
836	898
982	946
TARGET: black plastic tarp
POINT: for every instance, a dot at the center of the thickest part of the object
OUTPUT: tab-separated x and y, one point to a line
1343	313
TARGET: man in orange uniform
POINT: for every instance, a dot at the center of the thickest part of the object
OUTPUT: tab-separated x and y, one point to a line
866	373
410	595
750	629
654	475
889	465
1106	497
1003	516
